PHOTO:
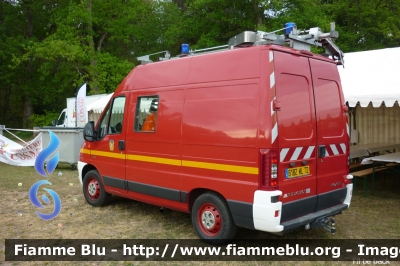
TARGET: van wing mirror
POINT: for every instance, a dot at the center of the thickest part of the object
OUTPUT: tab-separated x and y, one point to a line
88	132
53	122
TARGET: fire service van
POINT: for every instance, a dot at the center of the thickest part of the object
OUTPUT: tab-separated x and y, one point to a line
254	135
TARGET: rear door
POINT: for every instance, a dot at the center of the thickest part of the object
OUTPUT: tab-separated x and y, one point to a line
332	135
297	134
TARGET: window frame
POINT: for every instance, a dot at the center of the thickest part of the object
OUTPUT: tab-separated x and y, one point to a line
136	123
109	109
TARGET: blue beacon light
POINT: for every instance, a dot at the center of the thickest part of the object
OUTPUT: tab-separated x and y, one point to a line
289	27
185	48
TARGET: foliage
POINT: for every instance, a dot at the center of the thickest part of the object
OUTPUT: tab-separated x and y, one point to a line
45	119
366	24
48	48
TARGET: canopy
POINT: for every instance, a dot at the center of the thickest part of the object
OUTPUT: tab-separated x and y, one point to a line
99	105
371	76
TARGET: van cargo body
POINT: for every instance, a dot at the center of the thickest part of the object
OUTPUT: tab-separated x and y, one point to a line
255	137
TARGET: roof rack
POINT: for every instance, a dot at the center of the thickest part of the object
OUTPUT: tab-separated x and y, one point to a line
299	40
146	58
293	38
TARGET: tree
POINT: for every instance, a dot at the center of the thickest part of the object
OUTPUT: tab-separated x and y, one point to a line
366	24
48	48
22	26
210	23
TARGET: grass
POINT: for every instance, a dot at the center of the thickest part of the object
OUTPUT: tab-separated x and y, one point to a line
24	135
371	217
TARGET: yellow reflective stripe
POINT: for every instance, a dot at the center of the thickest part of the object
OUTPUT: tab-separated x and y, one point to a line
151	159
221	167
193	164
109	154
85	151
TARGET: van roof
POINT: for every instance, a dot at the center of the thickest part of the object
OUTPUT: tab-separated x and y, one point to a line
221	66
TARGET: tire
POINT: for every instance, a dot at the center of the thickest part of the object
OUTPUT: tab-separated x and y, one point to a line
93	189
212	219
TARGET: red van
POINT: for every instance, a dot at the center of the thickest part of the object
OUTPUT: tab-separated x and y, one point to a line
254	136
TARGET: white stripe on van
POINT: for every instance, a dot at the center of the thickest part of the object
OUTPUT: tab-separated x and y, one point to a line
343	146
334	149
272	80
296	153
309	152
274	133
283	154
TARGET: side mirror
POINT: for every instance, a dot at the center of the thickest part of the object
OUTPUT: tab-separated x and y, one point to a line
88	132
53	122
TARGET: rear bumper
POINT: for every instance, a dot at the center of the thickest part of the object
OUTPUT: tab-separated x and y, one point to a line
309	218
267	214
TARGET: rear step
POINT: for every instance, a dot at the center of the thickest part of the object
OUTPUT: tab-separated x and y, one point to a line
317	219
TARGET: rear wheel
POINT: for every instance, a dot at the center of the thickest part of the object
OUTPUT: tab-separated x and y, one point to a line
93	189
212	219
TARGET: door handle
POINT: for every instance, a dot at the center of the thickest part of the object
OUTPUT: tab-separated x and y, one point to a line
121	145
321	151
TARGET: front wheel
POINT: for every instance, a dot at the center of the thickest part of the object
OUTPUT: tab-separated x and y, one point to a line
93	189
212	219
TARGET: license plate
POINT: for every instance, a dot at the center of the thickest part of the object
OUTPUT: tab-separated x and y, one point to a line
297	171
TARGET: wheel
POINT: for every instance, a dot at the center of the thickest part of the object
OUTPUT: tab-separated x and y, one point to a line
212	219
93	189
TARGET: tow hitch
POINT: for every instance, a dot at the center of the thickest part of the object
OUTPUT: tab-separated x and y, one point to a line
328	223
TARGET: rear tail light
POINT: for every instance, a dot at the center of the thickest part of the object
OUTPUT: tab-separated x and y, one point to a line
269	169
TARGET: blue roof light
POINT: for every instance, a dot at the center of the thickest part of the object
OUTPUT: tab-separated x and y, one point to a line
185	49
289	27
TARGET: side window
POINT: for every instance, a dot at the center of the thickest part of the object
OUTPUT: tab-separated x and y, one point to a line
111	123
117	115
146	114
61	119
102	130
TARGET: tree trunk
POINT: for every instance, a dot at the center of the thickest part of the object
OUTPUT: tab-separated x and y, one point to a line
28	111
257	15
93	61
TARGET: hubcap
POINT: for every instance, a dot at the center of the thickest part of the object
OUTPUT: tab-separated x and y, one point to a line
93	189
209	219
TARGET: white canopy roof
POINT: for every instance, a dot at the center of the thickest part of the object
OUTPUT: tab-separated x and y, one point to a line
99	105
371	76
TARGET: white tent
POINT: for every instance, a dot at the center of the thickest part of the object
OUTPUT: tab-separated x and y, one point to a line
372	79
371	76
99	105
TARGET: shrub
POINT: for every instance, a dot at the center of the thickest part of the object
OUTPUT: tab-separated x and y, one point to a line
36	120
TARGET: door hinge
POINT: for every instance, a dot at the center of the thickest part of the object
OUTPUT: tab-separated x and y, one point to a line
276	106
